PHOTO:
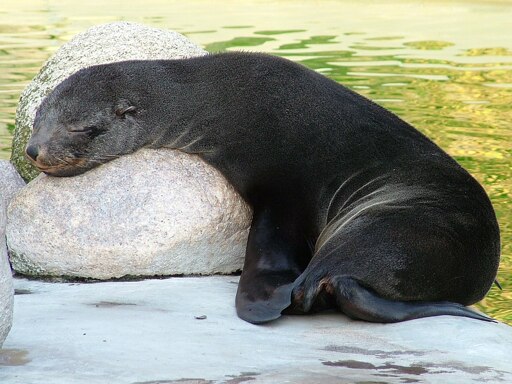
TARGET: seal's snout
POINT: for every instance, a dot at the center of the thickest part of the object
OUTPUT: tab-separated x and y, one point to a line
53	161
32	152
37	155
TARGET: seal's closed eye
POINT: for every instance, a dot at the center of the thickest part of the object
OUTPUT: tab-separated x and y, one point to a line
122	111
90	131
86	129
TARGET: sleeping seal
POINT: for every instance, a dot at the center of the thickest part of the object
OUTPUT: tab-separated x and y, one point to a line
354	209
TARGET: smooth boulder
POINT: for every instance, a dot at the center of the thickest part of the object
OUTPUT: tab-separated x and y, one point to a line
100	44
10	183
152	213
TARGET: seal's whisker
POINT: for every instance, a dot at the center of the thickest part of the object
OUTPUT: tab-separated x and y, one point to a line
88	156
66	161
101	159
61	160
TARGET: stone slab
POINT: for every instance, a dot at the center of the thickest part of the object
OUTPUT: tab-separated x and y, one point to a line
154	331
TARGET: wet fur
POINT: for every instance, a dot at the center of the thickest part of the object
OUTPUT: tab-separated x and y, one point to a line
391	216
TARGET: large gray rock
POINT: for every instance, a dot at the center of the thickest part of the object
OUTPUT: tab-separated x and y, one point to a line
98	45
156	212
10	183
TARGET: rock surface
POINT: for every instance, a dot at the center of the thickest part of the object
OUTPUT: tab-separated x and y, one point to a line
10	183
154	332
98	45
155	212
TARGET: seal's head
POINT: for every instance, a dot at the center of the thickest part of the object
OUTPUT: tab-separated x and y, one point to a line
87	120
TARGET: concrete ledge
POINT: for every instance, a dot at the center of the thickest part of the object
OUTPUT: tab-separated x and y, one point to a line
154	331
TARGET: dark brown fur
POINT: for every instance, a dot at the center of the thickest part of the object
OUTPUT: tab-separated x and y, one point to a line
397	225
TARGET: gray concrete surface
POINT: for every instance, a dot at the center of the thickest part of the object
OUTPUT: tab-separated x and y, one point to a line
185	330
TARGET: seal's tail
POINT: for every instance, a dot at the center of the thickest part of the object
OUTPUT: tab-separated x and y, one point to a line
360	303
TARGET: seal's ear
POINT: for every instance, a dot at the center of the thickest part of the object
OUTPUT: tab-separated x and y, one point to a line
121	111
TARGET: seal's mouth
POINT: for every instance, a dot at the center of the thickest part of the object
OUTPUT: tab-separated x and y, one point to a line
62	171
60	167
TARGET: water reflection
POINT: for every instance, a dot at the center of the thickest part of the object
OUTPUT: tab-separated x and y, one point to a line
449	77
249	41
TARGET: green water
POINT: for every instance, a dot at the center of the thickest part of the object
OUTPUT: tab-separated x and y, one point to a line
444	66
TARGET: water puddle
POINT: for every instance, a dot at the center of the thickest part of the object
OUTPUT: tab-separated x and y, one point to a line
13	357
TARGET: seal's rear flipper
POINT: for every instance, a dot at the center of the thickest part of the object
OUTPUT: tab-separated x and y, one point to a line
360	303
275	257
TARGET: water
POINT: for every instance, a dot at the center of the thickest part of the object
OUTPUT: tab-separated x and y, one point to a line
444	66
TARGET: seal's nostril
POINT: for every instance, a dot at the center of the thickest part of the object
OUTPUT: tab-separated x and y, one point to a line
32	151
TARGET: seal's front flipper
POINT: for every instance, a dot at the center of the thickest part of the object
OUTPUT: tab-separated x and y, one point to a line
360	303
262	309
276	255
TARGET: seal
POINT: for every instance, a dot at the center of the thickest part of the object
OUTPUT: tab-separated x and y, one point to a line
354	209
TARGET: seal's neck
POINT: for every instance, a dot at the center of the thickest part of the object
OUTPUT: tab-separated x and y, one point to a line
186	101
